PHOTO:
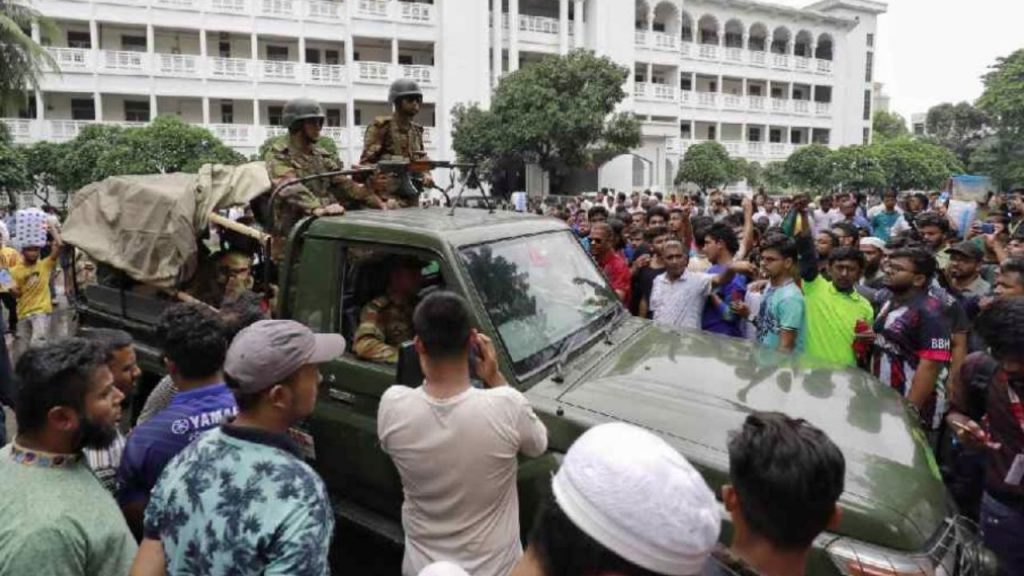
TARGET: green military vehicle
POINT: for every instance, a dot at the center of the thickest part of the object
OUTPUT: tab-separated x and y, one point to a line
564	340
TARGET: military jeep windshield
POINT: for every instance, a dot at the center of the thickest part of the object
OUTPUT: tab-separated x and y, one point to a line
539	292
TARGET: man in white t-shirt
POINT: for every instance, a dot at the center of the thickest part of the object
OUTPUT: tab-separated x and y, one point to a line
678	296
455	447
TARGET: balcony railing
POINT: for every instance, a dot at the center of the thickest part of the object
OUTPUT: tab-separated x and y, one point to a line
337	133
780	61
825	66
124	61
665	41
755	148
62	130
538	24
278	70
421	74
72	59
20	128
734	54
651	91
416	12
758	58
776	149
239	68
229	6
374	71
685	97
707	99
640	37
324	10
684	48
277	8
755	102
709	51
780	105
177	64
801	106
373	9
801	63
733	102
176	4
328	74
823	108
272	131
233	134
732	146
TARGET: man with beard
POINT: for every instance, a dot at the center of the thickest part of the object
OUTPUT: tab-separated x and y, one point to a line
874	250
964	272
934	231
912	335
646	268
55	516
612	263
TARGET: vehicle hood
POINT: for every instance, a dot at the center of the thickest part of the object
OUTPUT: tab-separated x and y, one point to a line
694	388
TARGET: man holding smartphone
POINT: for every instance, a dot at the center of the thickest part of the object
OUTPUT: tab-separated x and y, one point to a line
456	446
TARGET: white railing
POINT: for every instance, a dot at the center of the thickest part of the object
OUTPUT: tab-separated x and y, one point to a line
330	74
684	48
758	58
756	102
780	105
801	63
780	61
539	24
664	92
734	54
640	37
640	90
732	147
421	74
416	12
825	66
372	8
822	108
62	130
707	99
801	106
230	68
777	149
685	96
176	4
337	133
278	70
324	9
231	6
665	41
755	148
273	131
124	60
672	145
277	7
237	134
733	101
374	71
709	51
177	64
72	59
20	128
429	137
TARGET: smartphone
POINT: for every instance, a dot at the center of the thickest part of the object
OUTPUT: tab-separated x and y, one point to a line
5	278
986	228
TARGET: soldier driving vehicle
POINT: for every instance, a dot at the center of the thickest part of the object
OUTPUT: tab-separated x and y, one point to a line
385	322
397	137
296	155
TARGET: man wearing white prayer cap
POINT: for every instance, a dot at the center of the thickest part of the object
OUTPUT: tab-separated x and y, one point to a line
874	251
625	504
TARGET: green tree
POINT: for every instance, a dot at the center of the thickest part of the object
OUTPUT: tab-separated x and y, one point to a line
857	168
1003	102
810	168
22	60
77	166
775	176
911	164
707	165
755	174
42	161
13	173
959	127
324	142
888	125
559	113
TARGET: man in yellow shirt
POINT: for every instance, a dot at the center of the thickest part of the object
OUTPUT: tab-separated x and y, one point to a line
32	289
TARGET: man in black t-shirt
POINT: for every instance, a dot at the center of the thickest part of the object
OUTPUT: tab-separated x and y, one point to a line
646	268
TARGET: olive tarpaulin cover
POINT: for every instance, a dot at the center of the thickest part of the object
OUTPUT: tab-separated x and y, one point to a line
147	226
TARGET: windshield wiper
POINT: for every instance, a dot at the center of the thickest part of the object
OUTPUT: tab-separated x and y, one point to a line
570	342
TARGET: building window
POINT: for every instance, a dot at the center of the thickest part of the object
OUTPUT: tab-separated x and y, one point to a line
798	94
227	112
754	134
712	86
312	56
333	117
405	59
277	53
274	115
867	136
79	40
796	137
685	82
684	131
332	57
658	27
358	117
869	66
136	111
711	132
687	33
83	109
776	92
28	111
224	49
871	40
867	104
820	136
775	136
754	90
133	43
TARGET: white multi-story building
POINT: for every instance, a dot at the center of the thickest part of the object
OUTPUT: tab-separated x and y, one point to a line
760	78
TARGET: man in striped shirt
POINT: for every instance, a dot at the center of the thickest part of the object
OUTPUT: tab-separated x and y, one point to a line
119	355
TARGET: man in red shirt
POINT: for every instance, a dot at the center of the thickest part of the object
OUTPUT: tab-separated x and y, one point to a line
611	262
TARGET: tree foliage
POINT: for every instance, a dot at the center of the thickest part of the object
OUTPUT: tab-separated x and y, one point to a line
810	167
1003	101
22	60
775	176
13	175
911	164
558	113
706	165
959	127
857	168
888	125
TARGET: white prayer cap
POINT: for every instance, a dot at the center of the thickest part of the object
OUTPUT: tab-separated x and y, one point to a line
638	497
873	241
443	569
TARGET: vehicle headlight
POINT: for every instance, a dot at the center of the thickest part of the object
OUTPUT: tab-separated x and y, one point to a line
954	551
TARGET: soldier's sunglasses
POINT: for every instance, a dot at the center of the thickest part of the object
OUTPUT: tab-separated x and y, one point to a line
411	99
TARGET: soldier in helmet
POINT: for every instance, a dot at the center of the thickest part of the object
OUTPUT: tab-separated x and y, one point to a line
386	321
397	135
296	155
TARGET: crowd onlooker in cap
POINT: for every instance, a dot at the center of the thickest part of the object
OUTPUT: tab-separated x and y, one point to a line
913	336
785	480
55	516
193	344
119	355
874	251
611	262
964	271
625	503
988	415
781	320
31	287
241	500
456	446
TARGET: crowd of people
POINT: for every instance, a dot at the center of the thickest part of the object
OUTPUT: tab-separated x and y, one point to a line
208	479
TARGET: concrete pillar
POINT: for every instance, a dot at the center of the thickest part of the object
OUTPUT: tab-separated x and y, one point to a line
746	41
150	40
513	35
203	49
578	10
255	112
718	131
35	32
97	102
496	33
153	111
744	89
206	109
563	26
41	106
721	35
743	132
302	49
394	51
650	73
255	48
719	85
94	35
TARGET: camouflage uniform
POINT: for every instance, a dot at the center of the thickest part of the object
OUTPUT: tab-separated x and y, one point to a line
383	326
391	137
295	202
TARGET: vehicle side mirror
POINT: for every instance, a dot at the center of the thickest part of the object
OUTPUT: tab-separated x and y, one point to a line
409	373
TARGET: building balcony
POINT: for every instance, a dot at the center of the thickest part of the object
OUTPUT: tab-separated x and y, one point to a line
392	10
749	149
385	73
657	41
729	54
655	92
429	137
721	101
538	24
322	10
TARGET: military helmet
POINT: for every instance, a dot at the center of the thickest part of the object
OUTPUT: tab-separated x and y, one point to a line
403	87
298	109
